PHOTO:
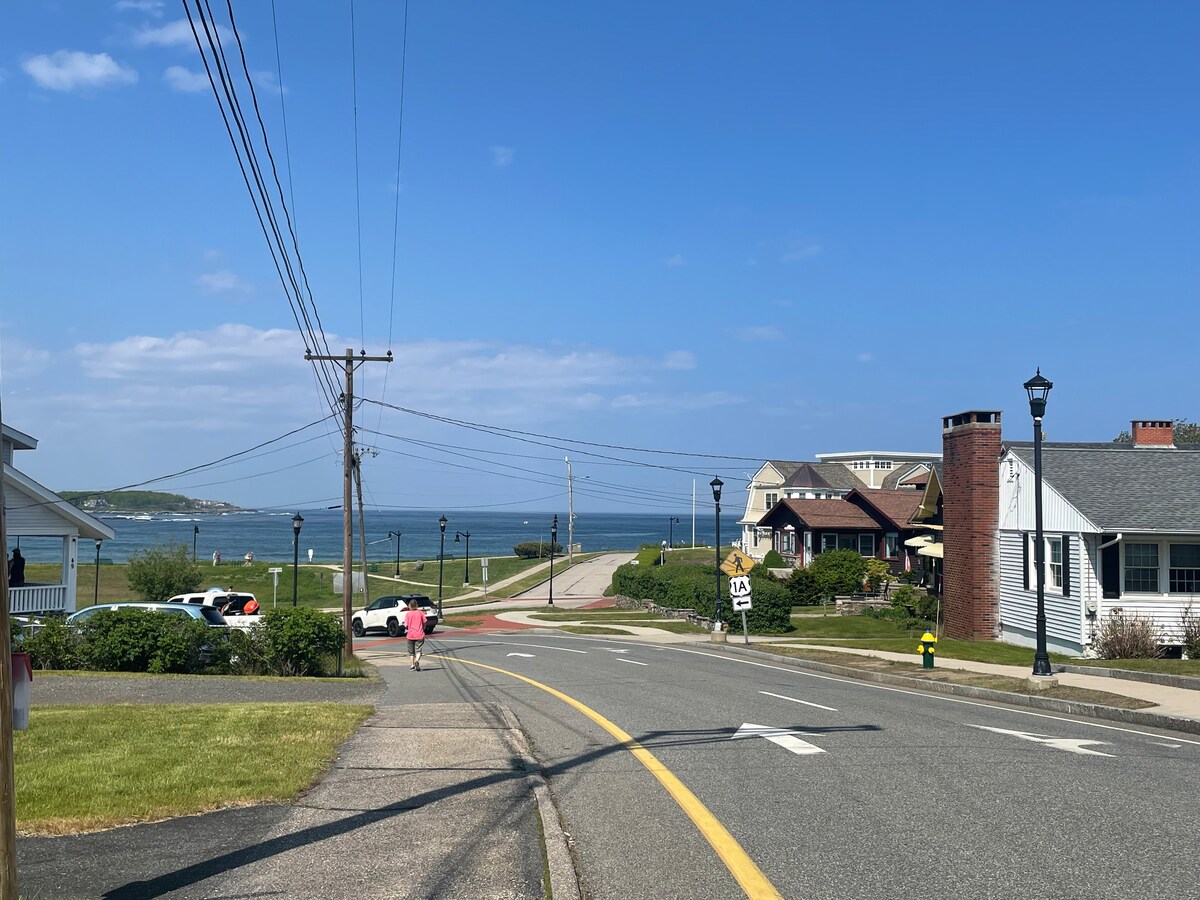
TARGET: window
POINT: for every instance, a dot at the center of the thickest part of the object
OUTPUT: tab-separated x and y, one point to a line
1054	563
866	545
847	541
772	499
862	464
756	537
883	463
789	541
828	542
891	542
1185	569
1141	568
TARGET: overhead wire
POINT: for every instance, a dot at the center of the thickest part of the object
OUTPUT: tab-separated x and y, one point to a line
357	189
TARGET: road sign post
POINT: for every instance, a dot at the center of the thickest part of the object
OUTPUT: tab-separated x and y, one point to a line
740	598
484	564
275	587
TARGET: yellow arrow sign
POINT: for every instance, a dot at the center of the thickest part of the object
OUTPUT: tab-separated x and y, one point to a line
737	563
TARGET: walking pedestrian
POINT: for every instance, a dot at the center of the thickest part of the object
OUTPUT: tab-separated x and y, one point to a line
216	558
249	557
414	629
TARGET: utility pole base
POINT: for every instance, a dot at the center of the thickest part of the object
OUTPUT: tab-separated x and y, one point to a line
1043	682
719	637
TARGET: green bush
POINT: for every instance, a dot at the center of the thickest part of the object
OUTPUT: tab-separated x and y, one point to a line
802	587
139	640
536	550
162	572
695	587
772	560
54	645
1190	626
878	574
838	572
297	640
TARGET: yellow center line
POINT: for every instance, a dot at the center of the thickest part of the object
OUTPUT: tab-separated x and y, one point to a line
736	860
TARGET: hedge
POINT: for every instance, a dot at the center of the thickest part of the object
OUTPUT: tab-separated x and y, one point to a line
694	587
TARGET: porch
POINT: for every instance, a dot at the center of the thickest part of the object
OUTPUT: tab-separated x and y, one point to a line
38	598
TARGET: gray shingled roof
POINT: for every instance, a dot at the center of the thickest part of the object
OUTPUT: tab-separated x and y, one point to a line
1123	489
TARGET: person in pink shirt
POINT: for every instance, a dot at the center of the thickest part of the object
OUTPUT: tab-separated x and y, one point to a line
414	629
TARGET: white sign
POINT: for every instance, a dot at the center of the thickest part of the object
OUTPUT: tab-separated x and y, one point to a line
484	562
741	604
274	571
739	586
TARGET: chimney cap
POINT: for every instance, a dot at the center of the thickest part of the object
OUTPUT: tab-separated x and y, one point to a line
989	417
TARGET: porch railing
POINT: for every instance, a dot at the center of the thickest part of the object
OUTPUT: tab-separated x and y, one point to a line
38	598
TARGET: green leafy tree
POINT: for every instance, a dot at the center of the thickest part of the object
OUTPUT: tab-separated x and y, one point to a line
838	572
161	572
1185	433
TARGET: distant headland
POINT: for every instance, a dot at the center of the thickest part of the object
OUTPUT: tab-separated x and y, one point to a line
100	502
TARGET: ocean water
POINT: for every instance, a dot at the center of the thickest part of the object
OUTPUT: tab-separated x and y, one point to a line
268	534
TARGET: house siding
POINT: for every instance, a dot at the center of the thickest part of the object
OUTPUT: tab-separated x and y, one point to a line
1018	605
27	515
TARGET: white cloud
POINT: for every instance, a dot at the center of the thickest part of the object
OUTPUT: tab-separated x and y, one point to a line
223	281
759	333
798	249
173	34
679	359
502	157
66	70
266	81
151	7
190	356
674	262
865	357
180	78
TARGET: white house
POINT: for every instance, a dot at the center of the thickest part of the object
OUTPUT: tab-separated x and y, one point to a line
36	515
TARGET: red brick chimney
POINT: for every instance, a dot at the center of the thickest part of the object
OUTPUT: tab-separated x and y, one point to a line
1153	433
971	510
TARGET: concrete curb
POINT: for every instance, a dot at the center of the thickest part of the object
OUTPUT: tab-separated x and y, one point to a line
1092	710
1187	682
564	880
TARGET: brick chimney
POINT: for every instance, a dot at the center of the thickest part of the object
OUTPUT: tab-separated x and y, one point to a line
1153	433
971	509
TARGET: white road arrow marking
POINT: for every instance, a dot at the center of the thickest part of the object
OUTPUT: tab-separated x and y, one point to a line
613	650
1171	746
782	736
794	700
1071	745
632	662
526	655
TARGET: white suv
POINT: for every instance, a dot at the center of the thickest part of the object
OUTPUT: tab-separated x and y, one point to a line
387	613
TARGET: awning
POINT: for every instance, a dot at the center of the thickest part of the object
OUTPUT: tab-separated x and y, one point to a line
933	550
921	540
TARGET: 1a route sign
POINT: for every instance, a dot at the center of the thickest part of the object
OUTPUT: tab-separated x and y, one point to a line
739	592
737	563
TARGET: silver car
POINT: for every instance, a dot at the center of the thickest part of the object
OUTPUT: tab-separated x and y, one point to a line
208	614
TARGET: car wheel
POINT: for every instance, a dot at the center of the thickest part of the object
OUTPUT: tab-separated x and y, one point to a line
357	627
393	628
430	630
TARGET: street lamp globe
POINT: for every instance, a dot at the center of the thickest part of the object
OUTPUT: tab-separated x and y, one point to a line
716	484
1038	388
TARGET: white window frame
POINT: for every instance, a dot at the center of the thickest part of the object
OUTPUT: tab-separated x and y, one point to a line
891	545
1054	570
829	540
771	498
1158	570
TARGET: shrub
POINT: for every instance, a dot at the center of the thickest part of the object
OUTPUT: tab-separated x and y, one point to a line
139	640
838	572
1191	633
904	597
773	560
54	646
803	588
536	550
878	574
161	572
1127	637
694	587
297	640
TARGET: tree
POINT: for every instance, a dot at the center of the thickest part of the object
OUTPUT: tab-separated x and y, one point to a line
161	572
838	572
1185	433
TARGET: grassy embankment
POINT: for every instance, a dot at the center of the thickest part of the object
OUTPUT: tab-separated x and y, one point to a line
95	767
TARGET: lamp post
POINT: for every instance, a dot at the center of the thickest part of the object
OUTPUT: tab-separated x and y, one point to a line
467	571
195	534
397	535
297	521
716	484
441	557
96	592
1038	389
672	521
553	541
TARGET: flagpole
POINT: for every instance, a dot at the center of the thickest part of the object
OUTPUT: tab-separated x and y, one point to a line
693	513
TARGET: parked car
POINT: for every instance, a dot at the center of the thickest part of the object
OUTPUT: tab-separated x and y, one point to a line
240	608
208	614
387	614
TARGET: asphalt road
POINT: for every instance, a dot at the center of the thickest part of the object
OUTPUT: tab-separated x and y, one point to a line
864	792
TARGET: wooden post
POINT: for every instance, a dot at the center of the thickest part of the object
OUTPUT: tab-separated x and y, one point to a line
8	794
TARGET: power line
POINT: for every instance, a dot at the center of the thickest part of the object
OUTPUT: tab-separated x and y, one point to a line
357	190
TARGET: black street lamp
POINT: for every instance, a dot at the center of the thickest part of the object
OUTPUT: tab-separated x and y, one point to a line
297	521
1038	388
467	572
441	558
397	535
553	541
716	484
671	523
96	593
195	534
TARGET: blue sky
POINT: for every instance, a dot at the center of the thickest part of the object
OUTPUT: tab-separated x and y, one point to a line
764	232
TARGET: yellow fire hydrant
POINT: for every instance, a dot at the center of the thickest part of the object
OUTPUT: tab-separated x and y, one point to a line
926	648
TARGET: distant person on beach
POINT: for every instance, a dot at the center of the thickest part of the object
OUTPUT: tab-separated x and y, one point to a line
16	569
216	557
414	630
249	557
310	554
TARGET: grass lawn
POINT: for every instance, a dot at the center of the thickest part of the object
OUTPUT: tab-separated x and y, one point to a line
595	629
618	617
847	627
462	620
695	556
1163	666
95	767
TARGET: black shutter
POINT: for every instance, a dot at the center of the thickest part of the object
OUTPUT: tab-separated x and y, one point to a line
1066	564
1110	568
1025	560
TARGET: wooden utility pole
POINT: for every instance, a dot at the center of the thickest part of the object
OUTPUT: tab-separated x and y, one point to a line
362	526
349	361
8	793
